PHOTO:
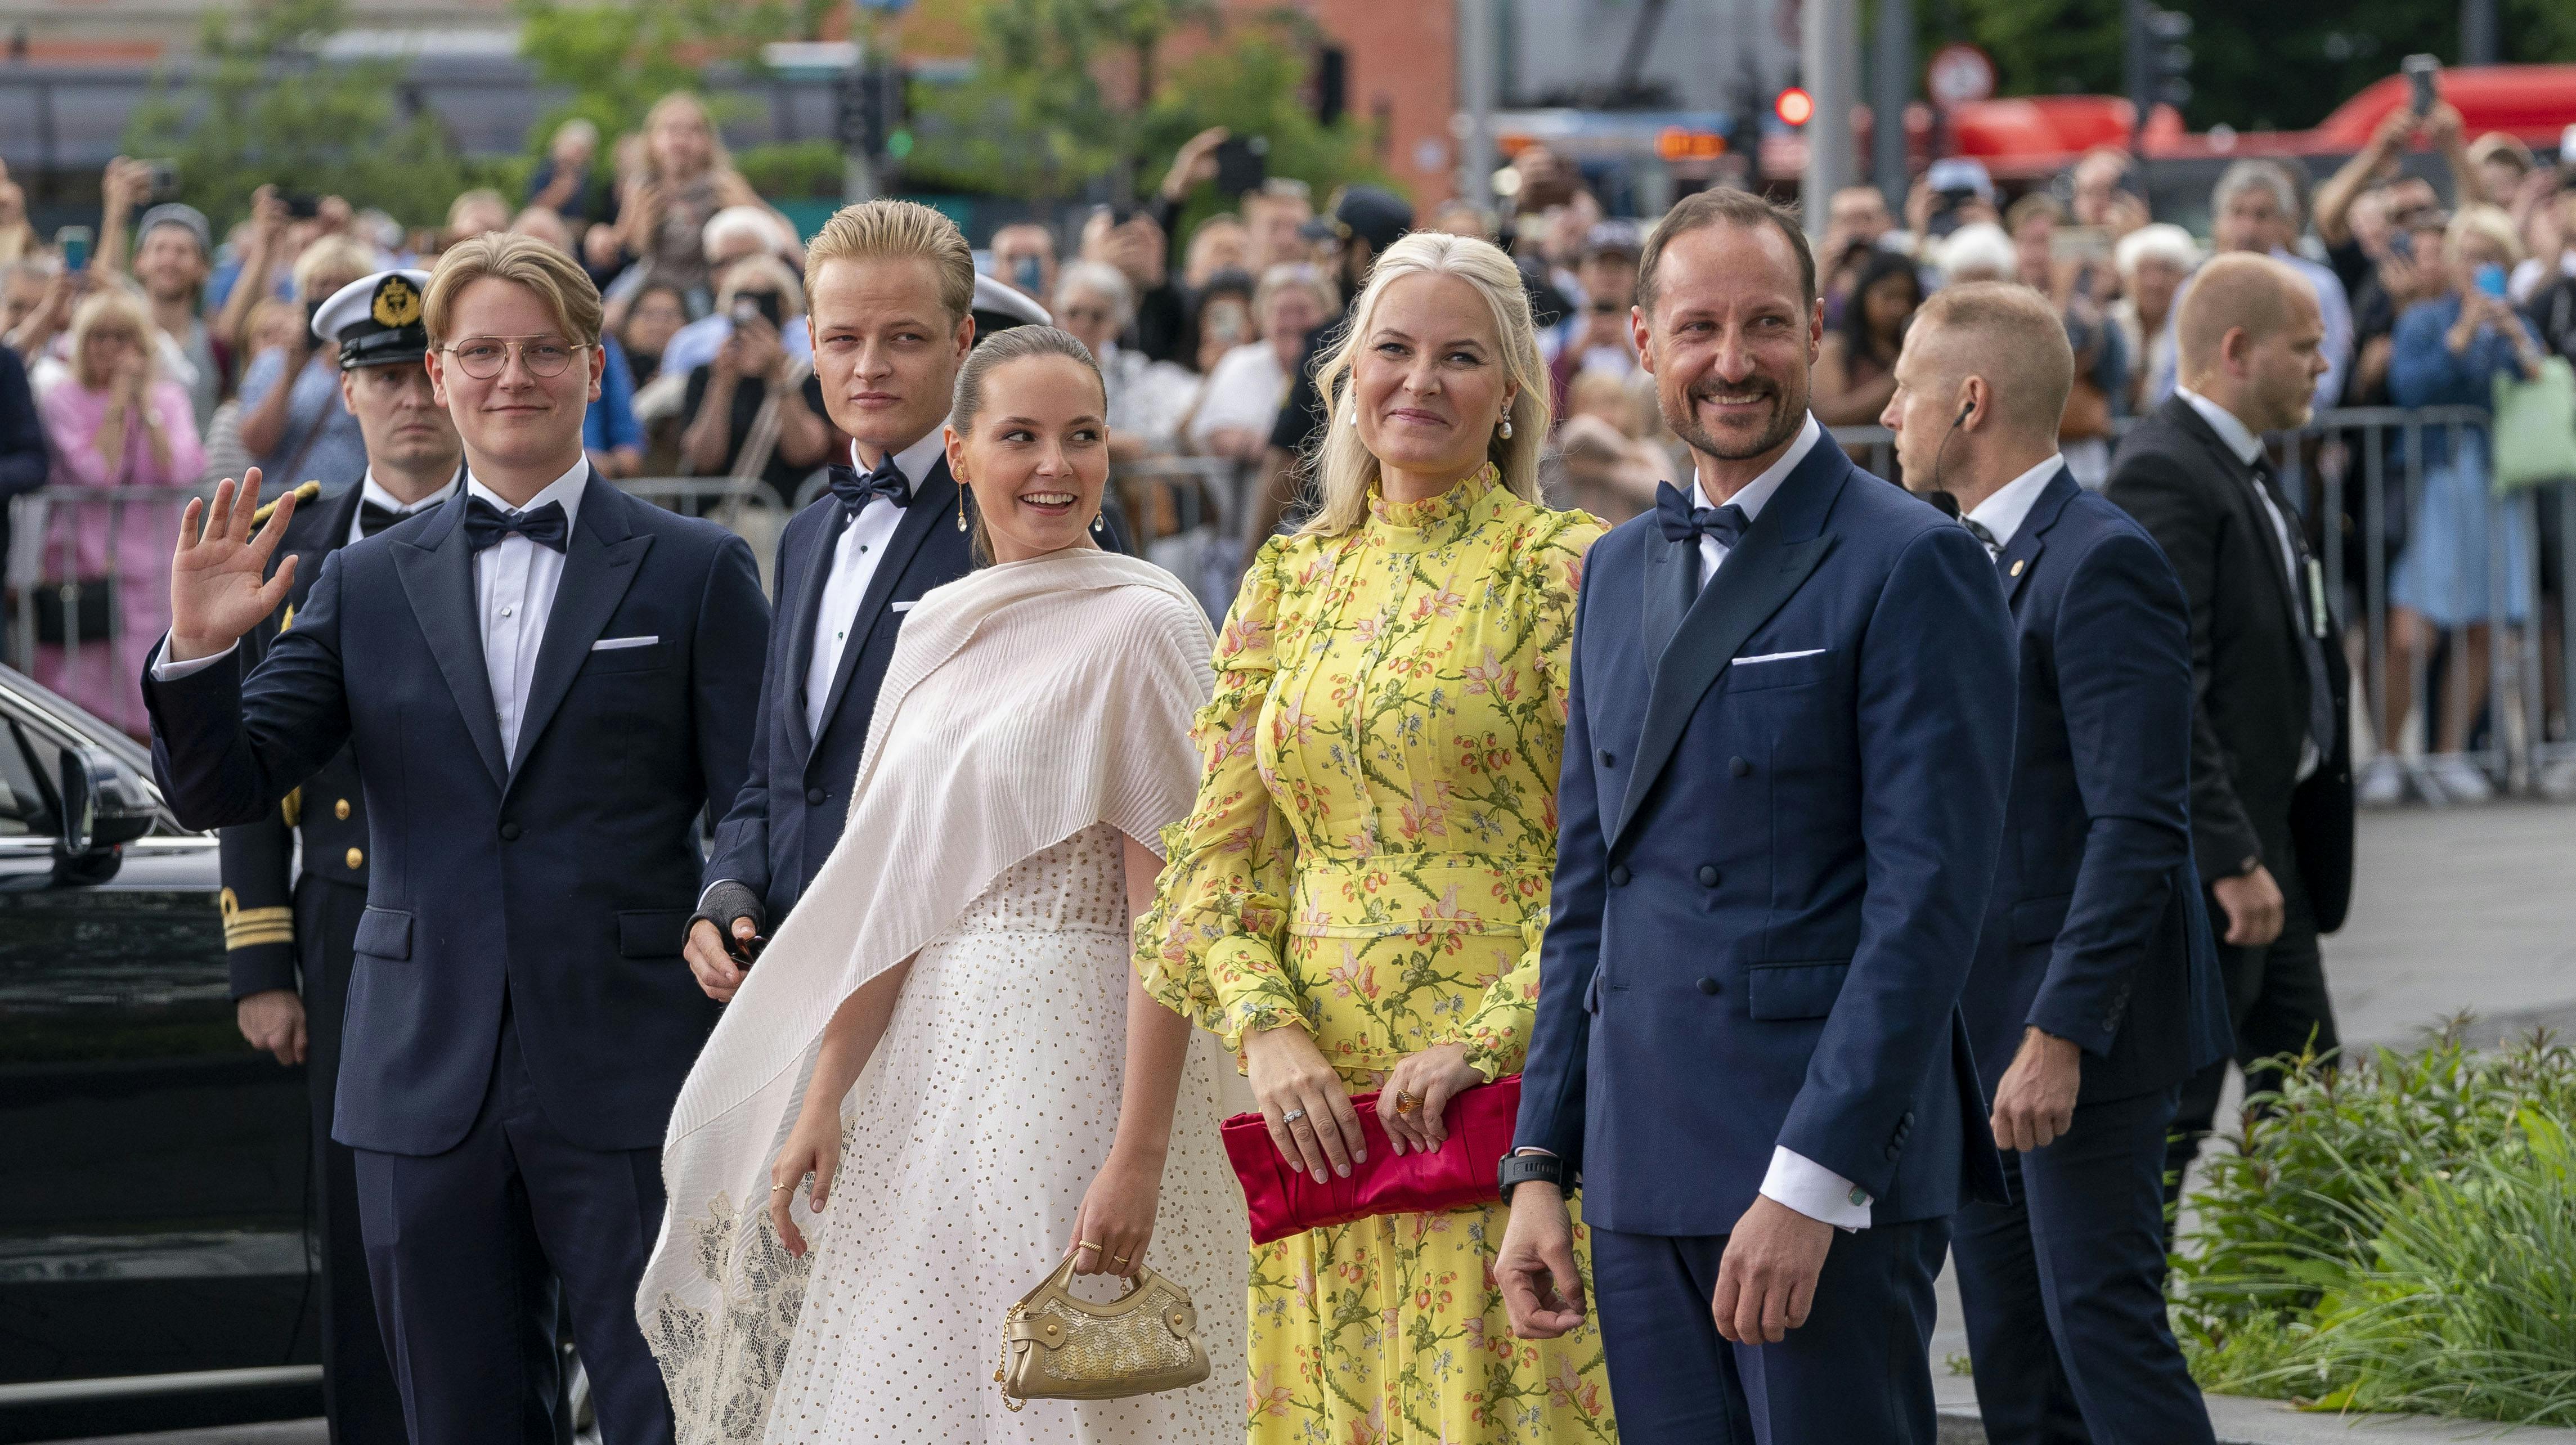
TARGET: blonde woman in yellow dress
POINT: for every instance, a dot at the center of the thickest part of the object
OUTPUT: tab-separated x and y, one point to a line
1356	900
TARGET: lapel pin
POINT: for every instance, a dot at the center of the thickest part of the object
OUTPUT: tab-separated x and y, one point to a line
2018	564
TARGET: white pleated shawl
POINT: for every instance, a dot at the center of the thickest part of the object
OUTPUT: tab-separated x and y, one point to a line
1024	703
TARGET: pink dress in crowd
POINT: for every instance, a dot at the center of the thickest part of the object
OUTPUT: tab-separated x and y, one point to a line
132	542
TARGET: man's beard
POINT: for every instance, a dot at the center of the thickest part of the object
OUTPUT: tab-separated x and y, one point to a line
1785	421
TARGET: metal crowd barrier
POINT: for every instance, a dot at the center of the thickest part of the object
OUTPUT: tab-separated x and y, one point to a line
2358	476
44	557
745	506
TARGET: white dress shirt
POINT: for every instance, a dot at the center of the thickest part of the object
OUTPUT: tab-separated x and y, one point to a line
2248	448
2003	512
855	555
1751	496
514	593
374	491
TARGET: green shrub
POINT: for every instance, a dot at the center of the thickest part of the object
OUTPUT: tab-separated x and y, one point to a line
2394	1235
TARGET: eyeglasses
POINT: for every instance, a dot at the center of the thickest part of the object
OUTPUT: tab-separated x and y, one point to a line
485	357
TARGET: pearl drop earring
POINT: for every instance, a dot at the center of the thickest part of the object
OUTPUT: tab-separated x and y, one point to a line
1507	428
1350	414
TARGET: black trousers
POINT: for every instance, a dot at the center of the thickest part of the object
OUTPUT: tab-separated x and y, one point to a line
2277	1000
466	1247
358	1391
2064	1290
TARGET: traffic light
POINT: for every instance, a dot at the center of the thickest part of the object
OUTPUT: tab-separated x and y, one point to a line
1794	107
2168	59
873	116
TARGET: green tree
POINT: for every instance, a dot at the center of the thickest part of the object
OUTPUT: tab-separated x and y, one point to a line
265	108
617	59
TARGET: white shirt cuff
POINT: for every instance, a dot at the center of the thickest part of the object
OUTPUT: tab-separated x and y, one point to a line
1815	1191
173	671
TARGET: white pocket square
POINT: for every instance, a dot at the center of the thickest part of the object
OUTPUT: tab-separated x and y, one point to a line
619	644
900	606
1777	656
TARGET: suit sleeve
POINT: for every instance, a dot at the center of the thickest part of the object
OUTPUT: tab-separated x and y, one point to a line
1935	740
2169	503
727	661
741	851
1553	1073
257	863
231	740
2123	655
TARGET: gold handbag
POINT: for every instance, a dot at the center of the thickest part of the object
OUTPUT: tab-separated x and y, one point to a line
1056	1346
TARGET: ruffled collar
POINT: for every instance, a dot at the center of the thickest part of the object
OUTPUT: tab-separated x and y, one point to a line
1432	512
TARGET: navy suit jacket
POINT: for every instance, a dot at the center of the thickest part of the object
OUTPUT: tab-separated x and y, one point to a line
2098	934
1771	874
545	882
796	797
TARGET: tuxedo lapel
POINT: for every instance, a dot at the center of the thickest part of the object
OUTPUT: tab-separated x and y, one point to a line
2021	556
1672	584
437	572
599	565
933	502
803	613
1775	557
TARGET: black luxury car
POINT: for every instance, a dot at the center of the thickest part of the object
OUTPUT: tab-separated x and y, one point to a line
155	1263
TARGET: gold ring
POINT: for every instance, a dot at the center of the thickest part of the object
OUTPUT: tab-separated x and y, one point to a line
1407	1103
1086	1244
1122	1259
781	1189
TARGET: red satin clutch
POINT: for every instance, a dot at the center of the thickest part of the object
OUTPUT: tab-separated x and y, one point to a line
1283	1199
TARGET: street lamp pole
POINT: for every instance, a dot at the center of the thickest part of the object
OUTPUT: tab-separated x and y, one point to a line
1828	57
1477	61
1893	88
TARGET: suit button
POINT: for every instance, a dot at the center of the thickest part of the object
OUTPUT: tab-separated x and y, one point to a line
1619	875
1708	986
1607	760
356	858
509	832
815	796
340	810
1707	876
1739	767
1905	1120
1892	1151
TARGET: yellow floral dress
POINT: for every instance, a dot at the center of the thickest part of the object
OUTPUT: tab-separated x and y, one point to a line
1369	858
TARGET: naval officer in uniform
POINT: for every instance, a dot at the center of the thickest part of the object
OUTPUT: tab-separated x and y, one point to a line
290	937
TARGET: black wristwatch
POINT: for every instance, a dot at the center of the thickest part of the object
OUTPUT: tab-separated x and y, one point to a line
1519	1169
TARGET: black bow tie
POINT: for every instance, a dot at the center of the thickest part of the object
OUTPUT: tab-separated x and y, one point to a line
1982	533
1683	522
486	525
856	490
374	517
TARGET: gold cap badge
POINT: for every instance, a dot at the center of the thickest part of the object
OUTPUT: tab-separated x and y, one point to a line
397	303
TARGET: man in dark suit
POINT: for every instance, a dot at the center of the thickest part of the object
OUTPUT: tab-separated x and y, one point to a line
291	940
2271	769
890	285
2096	990
545	683
1788	736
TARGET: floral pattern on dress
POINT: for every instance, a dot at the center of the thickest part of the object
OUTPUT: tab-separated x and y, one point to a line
1369	858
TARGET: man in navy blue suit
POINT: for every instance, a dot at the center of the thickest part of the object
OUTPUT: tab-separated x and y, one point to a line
544	683
1788	738
891	286
2096	991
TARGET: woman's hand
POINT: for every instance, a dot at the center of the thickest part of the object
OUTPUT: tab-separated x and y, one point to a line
758	353
1290	1078
1433	1076
813	1147
1116	1220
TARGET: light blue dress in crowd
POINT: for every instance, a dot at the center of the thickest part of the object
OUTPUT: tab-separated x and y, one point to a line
2447	570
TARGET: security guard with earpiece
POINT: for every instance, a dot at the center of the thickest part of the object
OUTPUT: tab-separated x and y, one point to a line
291	946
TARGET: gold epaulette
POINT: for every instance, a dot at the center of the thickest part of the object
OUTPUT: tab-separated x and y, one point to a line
251	927
302	494
292	807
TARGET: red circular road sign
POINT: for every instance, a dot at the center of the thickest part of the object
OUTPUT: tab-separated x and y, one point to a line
1959	74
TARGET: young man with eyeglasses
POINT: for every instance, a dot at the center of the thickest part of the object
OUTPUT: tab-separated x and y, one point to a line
545	683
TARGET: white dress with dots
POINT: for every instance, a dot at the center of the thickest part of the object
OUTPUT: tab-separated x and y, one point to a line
987	1109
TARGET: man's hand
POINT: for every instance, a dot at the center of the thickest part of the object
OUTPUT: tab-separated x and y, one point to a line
1194	164
2252	902
1542	1290
216	593
1766	1282
729	908
2036	1100
273	1019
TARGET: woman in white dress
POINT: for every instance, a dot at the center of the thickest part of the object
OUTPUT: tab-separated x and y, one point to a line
943	1076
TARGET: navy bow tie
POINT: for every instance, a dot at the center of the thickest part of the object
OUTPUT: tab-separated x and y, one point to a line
486	525
856	490
1683	522
374	517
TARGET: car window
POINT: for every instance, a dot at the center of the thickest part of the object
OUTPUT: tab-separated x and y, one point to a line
26	803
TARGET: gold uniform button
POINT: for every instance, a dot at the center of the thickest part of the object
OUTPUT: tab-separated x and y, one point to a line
356	857
340	810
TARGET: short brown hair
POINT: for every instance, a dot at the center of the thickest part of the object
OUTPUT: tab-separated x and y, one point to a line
2009	334
1723	207
898	230
2237	291
556	278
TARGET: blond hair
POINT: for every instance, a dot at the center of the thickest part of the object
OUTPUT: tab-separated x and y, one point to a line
2488	223
330	256
1344	467
557	279
751	271
2010	335
889	230
718	158
110	305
